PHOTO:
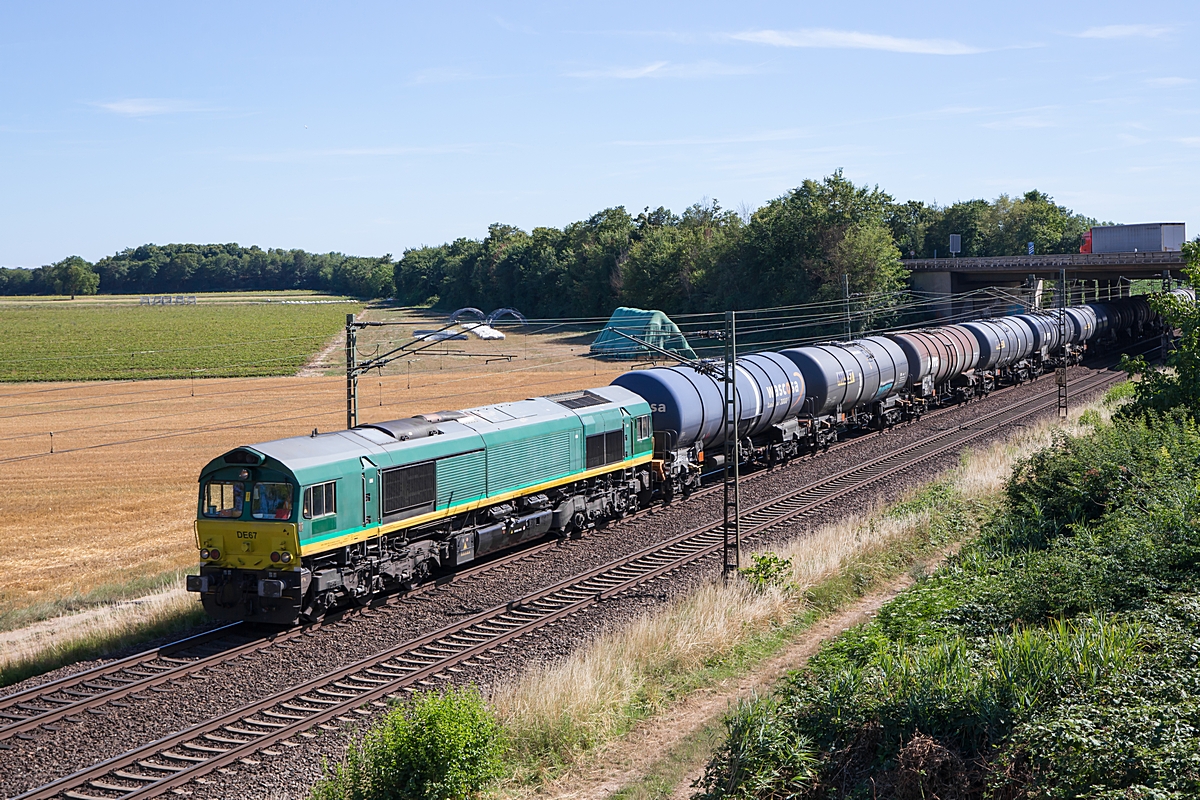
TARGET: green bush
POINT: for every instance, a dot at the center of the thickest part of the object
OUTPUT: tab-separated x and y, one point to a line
437	746
767	570
1057	656
760	758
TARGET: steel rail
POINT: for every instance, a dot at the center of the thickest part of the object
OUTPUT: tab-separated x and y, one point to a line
180	757
65	697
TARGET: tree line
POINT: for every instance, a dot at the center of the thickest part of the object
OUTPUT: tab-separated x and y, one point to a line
171	268
794	249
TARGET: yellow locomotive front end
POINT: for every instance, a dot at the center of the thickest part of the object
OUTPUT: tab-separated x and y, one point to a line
248	540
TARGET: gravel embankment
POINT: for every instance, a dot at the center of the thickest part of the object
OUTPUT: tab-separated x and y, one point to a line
109	731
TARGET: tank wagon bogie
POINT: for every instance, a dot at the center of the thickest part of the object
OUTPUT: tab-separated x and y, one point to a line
292	528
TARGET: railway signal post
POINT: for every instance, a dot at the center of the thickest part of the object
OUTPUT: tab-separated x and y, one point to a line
732	525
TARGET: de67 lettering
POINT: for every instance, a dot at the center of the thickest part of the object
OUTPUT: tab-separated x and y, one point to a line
247	534
658	408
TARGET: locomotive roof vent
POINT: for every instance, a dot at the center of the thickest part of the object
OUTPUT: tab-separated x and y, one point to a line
575	400
242	457
405	429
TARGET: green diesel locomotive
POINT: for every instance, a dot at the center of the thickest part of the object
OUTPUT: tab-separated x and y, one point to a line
291	528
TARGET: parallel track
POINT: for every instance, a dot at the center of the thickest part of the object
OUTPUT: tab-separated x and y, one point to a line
176	759
47	703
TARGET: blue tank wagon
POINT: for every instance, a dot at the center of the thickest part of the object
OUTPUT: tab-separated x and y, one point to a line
290	528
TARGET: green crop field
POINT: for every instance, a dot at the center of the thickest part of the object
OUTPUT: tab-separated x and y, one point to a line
62	341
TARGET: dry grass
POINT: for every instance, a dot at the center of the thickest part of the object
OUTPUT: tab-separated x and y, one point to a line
116	500
52	643
562	709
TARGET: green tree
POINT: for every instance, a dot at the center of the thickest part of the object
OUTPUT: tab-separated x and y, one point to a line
1178	385
1036	218
789	251
974	220
73	276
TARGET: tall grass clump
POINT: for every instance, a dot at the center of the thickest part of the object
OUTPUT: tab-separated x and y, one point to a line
436	746
1053	657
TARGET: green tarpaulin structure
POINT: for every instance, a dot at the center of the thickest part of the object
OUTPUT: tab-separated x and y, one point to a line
653	327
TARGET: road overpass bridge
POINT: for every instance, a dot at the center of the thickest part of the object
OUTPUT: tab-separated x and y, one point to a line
1090	276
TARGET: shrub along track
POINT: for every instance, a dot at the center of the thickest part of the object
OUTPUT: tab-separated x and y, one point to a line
224	739
62	698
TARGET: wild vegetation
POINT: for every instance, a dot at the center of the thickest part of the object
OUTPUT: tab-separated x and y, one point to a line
48	342
436	746
1054	657
555	717
793	249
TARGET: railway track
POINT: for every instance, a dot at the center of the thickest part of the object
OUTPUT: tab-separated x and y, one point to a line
106	684
347	692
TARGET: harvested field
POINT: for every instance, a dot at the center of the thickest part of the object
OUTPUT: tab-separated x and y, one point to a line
116	499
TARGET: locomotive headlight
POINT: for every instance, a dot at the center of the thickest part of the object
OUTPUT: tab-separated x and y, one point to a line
214	553
285	557
204	554
275	557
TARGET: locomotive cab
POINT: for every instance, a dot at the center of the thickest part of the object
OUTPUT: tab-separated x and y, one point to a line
247	532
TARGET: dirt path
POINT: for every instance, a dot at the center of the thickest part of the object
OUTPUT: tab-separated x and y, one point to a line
627	760
318	365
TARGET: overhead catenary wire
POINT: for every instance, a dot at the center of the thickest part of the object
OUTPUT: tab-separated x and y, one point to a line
791	324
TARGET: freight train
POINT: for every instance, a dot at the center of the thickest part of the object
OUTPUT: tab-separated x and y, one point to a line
289	529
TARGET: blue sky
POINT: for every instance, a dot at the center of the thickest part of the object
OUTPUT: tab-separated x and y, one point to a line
370	128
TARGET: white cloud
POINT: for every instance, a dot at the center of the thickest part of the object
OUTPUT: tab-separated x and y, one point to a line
745	138
1124	31
1190	141
856	40
665	69
1174	80
148	106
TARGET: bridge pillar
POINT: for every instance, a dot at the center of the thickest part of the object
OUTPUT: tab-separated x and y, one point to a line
939	285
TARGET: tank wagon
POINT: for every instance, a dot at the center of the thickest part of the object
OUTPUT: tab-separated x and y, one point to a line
688	408
289	529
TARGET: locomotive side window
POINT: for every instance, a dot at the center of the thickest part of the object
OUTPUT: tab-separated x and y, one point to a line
409	487
224	499
272	501
643	427
320	500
